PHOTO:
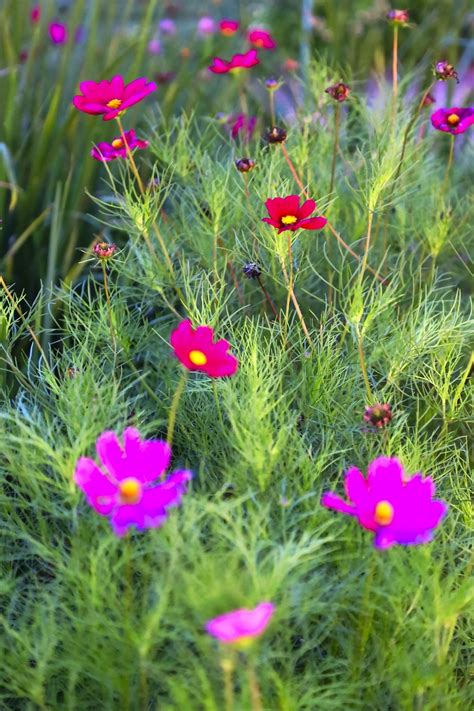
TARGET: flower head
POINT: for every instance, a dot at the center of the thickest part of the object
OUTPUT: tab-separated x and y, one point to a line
228	28
167	26
397	509
261	39
123	489
244	165
58	33
428	100
154	46
339	92
398	17
117	149
206	26
35	14
237	63
287	214
252	270
111	98
196	350
276	135
273	84
378	415
241	124
453	120
104	250
241	627
444	70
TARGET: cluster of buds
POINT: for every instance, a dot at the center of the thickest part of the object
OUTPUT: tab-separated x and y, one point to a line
401	18
378	415
276	135
444	71
339	92
244	165
252	270
104	250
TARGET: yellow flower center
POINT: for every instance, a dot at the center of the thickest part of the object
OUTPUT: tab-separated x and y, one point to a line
453	119
117	143
289	219
198	358
236	70
130	491
383	513
114	104
228	31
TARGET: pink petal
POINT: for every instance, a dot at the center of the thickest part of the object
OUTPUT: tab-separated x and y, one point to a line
306	209
113	456
147	459
100	492
314	223
335	502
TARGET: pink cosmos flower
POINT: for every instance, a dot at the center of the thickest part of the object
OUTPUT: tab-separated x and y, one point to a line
238	62
242	124
117	149
196	350
261	39
453	120
154	46
241	626
167	26
399	510
228	27
287	214
35	14
125	491
113	97
58	33
206	26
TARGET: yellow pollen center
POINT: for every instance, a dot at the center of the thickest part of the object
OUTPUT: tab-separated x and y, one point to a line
130	491
197	358
114	104
453	119
289	219
383	513
117	143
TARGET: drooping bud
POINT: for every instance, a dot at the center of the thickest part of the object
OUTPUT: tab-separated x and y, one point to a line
276	135
252	270
339	92
244	165
444	71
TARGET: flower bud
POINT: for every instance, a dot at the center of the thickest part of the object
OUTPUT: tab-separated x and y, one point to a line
244	165
276	135
378	415
272	84
104	250
339	92
398	17
251	270
444	71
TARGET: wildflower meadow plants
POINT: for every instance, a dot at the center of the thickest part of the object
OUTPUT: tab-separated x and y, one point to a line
222	326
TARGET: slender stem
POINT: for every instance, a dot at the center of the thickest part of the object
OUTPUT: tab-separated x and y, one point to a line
408	129
108	301
362	365
255	696
228	666
271	99
295	175
16	307
295	303
217	403
133	165
448	167
268	298
127	617
174	407
337	125
290	283
367	245
395	70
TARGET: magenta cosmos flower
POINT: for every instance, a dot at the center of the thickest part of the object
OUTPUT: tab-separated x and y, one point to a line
242	626
196	350
236	64
111	98
241	124
125	491
35	14
261	39
453	120
287	214
58	33
117	149
398	509
228	28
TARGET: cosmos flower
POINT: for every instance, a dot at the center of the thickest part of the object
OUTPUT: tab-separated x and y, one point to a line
241	627
244	165
454	120
206	26
241	124
261	39
167	27
35	14
58	33
398	17
123	489
339	92
117	149
397	509
444	70
111	98
236	64
228	28
287	214
196	350
379	415
154	46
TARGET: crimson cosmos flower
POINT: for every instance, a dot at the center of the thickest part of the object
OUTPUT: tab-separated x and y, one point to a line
453	120
117	149
58	33
113	97
238	62
228	28
261	39
287	214
196	350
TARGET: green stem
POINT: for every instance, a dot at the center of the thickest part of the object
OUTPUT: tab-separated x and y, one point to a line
228	666
363	366
367	245
108	302
395	72
271	99
254	688
448	167
217	403
174	407
337	124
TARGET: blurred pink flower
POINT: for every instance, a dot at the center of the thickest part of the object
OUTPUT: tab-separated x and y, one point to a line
35	14
241	124
237	63
454	120
125	491
261	39
167	26
58	33
154	46
228	27
241	626
206	26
